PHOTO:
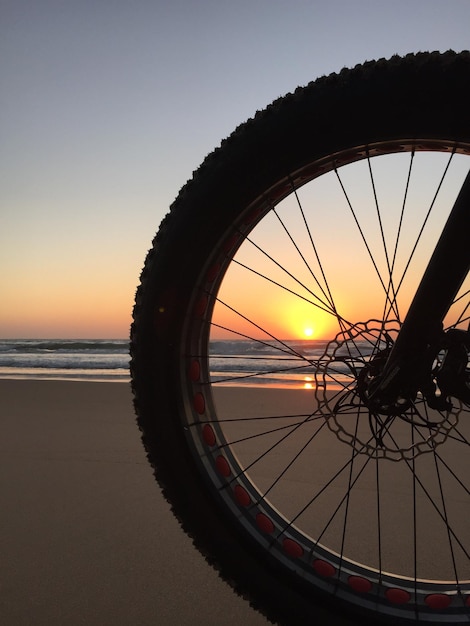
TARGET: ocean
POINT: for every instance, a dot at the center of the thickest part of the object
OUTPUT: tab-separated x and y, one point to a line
277	364
241	362
65	359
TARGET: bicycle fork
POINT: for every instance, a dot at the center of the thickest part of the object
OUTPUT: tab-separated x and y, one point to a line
410	366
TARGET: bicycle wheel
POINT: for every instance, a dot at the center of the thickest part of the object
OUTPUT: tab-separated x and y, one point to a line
274	287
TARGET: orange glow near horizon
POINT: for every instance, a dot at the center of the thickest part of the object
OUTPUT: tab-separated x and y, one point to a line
66	326
80	311
286	318
303	320
274	290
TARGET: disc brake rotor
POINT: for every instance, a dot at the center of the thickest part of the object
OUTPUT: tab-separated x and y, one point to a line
346	369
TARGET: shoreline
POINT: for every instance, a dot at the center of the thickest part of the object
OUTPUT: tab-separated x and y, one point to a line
71	379
307	384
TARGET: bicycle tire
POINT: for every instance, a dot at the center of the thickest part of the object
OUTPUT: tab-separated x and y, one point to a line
377	108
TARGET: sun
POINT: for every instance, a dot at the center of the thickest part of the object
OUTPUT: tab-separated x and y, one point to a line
308	332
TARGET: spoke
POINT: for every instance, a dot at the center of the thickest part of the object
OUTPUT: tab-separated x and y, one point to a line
286	230
340	393
361	232
285	347
402	213
460	439
415	515
439	457
384	243
258	418
462	296
345	385
453	474
292	461
294	426
397	239
379	524
261	374
235	357
445	516
441	181
322	490
348	496
314	247
411	467
260	341
324	306
461	319
275	445
465	319
436	508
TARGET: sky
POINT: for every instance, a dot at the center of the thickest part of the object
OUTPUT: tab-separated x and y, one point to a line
107	107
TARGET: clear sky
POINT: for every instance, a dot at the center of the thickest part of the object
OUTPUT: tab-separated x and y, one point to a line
107	106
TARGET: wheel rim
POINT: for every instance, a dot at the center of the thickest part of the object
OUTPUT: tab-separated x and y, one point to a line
311	483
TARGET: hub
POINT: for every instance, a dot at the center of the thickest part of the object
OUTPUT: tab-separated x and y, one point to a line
398	422
368	388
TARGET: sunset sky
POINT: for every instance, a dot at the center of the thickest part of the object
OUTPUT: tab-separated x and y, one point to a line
108	106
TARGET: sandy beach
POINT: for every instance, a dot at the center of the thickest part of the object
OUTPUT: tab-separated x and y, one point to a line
86	537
